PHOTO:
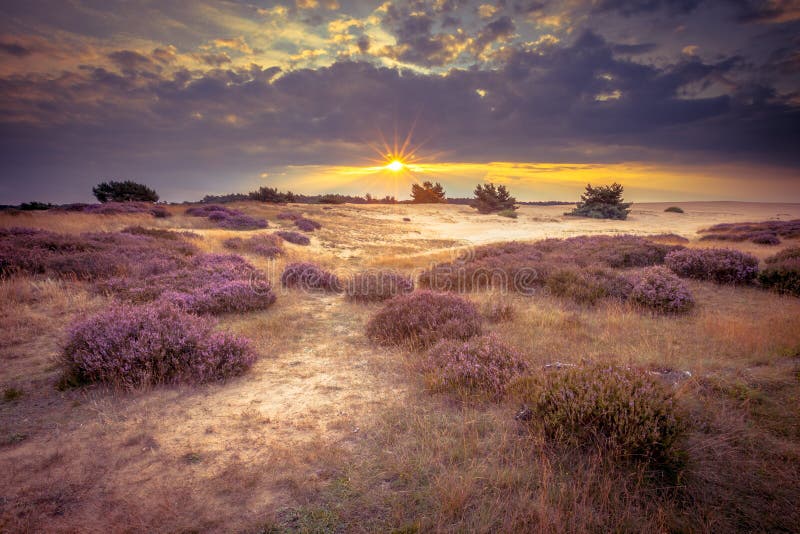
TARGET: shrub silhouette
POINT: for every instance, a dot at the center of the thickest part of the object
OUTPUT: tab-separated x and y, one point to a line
130	346
271	194
377	286
721	265
422	318
427	193
602	202
126	191
659	289
674	209
622	412
493	199
479	366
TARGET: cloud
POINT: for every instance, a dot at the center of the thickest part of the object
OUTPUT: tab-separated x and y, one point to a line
14	49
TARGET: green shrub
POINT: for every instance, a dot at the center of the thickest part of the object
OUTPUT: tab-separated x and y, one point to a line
674	209
494	199
781	276
602	202
511	214
126	191
621	412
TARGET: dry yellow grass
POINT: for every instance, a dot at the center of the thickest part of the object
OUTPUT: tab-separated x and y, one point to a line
328	433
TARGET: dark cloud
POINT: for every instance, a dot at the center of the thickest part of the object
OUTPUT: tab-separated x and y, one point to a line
14	49
635	7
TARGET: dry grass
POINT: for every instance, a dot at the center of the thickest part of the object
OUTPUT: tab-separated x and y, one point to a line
328	433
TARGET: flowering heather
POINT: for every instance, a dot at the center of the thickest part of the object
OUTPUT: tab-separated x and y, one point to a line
481	365
523	267
720	265
293	237
307	225
377	286
306	275
161	233
91	256
117	208
788	229
422	318
208	283
266	245
659	289
289	216
588	285
624	413
227	218
130	346
782	272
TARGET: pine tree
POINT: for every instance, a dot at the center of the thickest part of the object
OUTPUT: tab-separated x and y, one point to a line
602	202
427	193
491	199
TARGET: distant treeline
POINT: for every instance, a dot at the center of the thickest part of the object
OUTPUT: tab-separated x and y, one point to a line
271	194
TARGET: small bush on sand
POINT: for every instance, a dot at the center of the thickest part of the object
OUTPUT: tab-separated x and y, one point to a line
724	266
131	346
293	237
659	289
377	286
624	413
309	276
782	272
235	296
494	199
481	366
674	209
266	245
422	318
602	202
289	216
588	286
765	238
307	225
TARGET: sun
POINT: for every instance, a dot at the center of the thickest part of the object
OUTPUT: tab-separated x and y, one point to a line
395	165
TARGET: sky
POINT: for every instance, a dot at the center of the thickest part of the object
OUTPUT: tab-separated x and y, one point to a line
676	99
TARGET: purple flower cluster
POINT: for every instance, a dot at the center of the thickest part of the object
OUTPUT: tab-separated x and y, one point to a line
782	272
377	286
659	289
226	217
724	266
289	216
483	365
91	256
266	245
307	225
293	237
209	283
309	276
623	412
765	233
523	267
130	346
117	208
422	318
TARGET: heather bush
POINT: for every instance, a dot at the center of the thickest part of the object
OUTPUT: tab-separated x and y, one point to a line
587	286
161	233
764	233
524	267
624	413
116	208
782	272
307	225
479	366
207	283
377	286
131	346
659	289
293	237
226	217
765	238
422	318
266	245
309	276
723	266
289	216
